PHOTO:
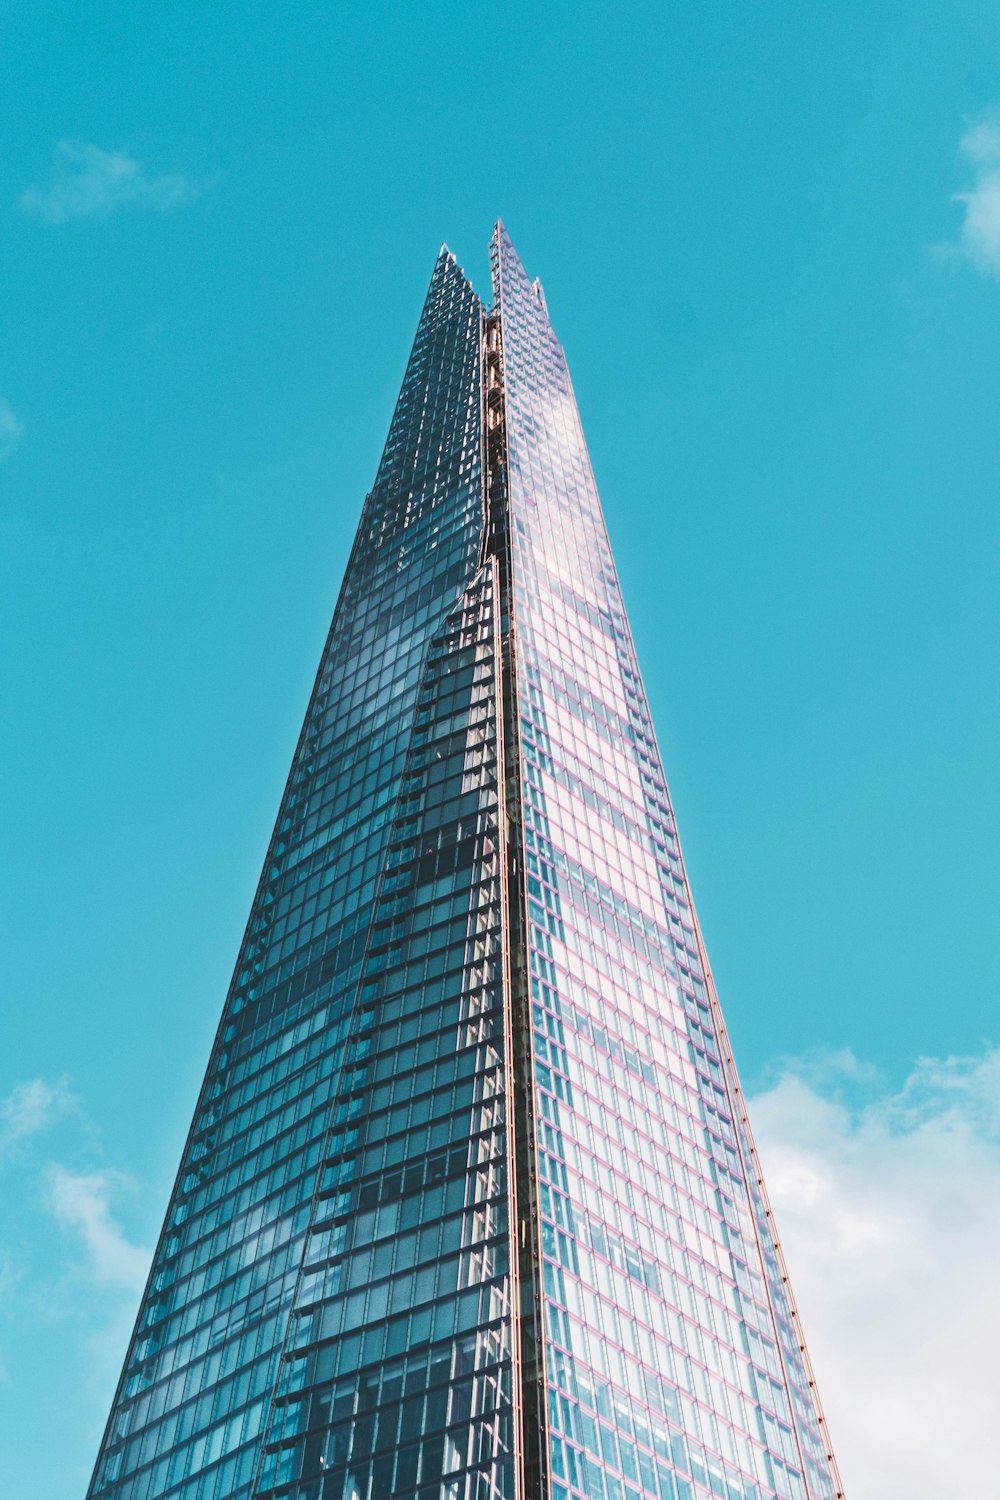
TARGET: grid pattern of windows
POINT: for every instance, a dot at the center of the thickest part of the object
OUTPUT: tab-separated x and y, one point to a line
397	1364
468	1210
194	1397
673	1369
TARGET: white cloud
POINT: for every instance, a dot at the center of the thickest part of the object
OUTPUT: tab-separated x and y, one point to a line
890	1217
31	1107
86	182
11	428
82	1203
979	235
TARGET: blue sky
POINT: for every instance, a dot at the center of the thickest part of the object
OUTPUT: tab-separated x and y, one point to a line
770	241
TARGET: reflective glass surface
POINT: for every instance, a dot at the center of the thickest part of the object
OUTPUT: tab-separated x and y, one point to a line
669	1372
396	1373
282	1109
469	1209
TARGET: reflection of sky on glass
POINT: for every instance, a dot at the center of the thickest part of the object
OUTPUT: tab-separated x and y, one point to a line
663	1360
330	1298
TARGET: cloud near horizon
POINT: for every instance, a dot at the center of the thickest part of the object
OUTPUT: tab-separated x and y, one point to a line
31	1107
81	1202
979	235
85	181
889	1212
11	429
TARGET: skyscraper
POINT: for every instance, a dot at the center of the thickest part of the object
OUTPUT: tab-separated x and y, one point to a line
469	1209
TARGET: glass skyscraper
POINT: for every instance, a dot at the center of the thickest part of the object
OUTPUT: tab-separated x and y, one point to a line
470	1209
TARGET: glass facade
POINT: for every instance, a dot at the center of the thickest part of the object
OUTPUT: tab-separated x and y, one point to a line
469	1207
673	1369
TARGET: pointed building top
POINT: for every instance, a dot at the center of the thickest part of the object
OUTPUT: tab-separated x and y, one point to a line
501	236
447	270
508	268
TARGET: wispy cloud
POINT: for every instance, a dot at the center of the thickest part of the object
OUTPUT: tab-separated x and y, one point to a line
31	1107
979	235
85	181
11	428
890	1216
81	1202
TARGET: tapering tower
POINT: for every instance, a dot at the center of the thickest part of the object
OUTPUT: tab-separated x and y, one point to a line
470	1209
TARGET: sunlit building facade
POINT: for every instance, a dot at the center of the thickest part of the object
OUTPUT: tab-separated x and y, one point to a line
469	1209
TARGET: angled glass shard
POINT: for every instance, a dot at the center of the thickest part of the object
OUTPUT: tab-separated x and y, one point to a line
470	1209
669	1339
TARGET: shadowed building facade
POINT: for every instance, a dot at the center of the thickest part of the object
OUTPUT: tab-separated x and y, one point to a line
469	1209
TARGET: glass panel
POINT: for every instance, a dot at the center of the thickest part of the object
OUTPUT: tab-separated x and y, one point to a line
664	1368
191	1408
331	1313
397	1366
